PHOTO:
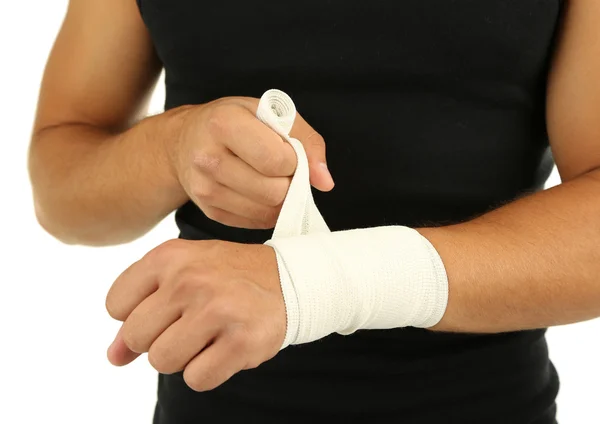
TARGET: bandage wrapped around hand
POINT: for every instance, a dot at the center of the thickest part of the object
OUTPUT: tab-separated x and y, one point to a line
344	281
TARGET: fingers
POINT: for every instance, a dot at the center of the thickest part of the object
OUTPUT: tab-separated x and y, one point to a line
252	141
118	353
223	199
217	363
240	177
314	145
148	321
236	174
143	277
180	343
235	194
320	177
233	220
131	287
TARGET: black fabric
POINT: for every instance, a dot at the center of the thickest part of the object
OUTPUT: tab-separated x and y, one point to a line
433	113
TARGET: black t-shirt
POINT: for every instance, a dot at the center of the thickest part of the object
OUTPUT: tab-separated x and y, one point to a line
433	113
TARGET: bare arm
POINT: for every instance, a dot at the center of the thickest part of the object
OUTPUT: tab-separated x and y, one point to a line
98	178
536	262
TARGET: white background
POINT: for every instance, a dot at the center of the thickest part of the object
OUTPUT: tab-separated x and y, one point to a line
54	326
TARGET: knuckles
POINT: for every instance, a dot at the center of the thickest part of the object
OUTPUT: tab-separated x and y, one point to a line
222	308
274	195
264	216
240	339
161	361
269	217
221	115
113	310
272	161
164	255
214	214
208	162
218	119
200	383
188	283
133	342
165	252
315	140
206	190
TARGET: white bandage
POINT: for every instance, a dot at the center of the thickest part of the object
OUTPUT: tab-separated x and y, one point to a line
340	282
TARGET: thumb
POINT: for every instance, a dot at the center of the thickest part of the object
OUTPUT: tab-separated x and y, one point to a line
314	145
118	353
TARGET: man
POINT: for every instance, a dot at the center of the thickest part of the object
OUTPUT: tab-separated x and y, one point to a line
437	119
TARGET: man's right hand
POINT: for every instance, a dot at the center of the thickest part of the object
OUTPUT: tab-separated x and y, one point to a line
101	175
238	170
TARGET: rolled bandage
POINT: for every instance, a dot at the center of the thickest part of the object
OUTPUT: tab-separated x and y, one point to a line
299	214
340	282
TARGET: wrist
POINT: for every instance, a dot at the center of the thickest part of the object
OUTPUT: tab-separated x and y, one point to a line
162	133
174	124
375	278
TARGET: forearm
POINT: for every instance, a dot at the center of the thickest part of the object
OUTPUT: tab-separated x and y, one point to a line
533	263
95	187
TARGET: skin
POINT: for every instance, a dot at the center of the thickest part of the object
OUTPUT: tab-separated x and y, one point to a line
100	177
213	308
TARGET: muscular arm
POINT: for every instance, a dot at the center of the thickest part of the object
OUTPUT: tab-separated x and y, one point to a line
536	262
99	177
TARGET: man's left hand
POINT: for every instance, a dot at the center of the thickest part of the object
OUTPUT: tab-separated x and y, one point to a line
209	308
